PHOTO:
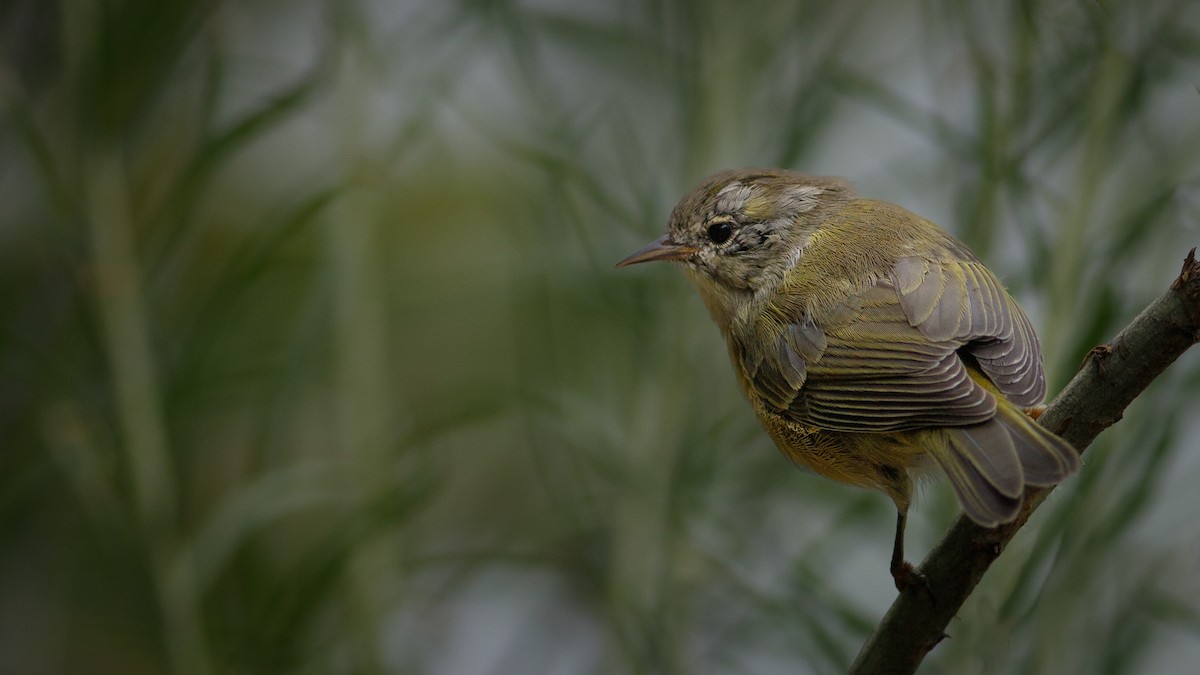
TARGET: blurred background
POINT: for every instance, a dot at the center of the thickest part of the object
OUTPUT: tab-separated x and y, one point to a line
313	358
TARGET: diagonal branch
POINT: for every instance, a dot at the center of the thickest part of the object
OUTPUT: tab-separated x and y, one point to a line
1112	376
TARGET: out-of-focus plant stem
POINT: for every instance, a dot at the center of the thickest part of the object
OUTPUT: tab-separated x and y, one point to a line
142	428
365	409
1072	243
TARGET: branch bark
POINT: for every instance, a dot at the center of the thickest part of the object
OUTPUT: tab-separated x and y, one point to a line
1111	377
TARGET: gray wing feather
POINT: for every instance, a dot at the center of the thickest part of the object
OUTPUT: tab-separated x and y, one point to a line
961	301
869	371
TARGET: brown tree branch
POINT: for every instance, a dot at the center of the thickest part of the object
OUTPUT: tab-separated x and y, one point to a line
1111	377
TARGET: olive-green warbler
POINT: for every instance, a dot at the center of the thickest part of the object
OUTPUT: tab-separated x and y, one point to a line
869	341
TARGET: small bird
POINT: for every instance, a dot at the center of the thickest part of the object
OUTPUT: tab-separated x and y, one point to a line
869	341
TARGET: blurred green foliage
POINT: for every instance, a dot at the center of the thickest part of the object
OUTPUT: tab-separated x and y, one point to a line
313	359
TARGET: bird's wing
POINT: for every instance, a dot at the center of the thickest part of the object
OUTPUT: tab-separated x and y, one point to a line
961	301
892	358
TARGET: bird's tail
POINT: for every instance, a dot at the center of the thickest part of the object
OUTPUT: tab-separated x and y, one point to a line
990	464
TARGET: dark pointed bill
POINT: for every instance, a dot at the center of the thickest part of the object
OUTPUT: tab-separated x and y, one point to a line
659	249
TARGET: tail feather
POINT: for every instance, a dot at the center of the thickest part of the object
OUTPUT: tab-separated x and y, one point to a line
1045	458
990	464
983	476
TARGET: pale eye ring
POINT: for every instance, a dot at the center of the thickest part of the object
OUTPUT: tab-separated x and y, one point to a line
720	232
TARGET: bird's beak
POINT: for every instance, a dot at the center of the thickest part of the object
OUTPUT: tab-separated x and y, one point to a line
662	248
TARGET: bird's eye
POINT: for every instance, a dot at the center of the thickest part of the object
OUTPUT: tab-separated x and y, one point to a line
720	232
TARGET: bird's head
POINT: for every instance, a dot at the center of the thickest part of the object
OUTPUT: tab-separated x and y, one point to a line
740	231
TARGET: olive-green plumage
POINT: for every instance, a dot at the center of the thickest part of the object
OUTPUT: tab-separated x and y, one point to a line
869	341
